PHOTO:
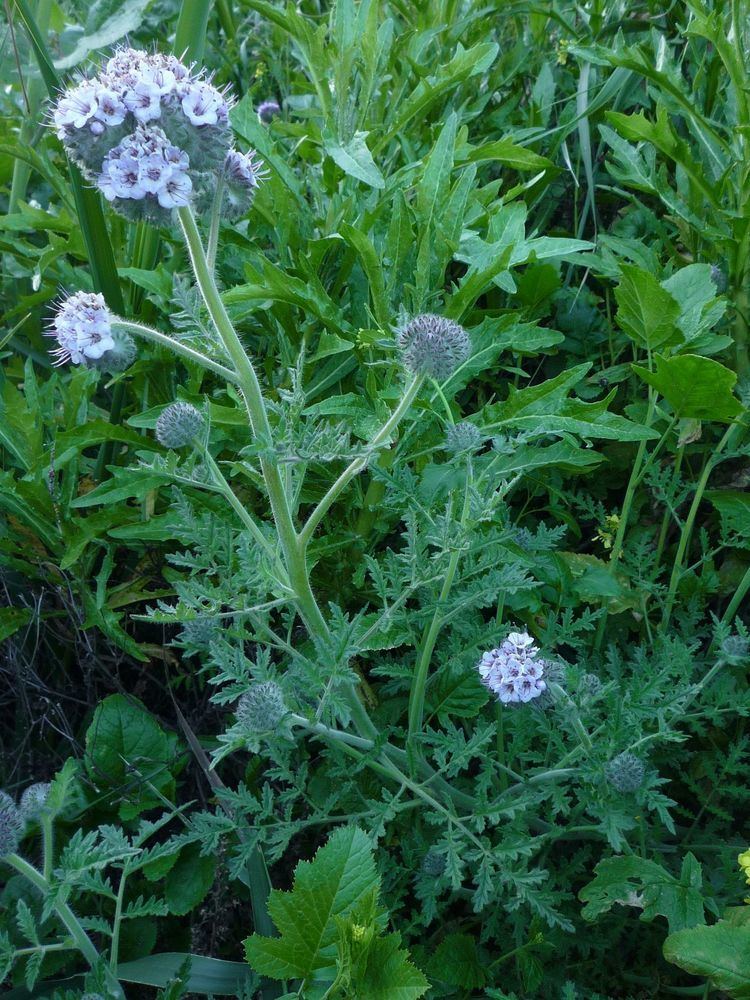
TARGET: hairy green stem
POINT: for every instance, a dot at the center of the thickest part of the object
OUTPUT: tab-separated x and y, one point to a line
687	529
737	599
244	515
48	844
358	464
164	340
627	504
213	229
247	380
432	631
34	92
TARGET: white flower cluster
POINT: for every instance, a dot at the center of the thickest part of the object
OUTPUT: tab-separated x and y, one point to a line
151	133
141	84
146	164
82	328
512	671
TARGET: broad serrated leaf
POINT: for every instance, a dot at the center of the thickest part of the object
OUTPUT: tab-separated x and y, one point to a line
694	386
645	311
633	881
339	876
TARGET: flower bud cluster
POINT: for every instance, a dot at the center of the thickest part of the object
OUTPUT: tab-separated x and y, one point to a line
434	346
463	437
11	825
152	133
625	772
261	708
82	327
34	799
242	173
178	424
512	671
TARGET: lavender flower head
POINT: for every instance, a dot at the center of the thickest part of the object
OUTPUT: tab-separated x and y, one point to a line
82	328
243	173
267	110
149	130
512	671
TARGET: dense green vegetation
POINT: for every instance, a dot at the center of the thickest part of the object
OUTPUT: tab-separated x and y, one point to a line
374	525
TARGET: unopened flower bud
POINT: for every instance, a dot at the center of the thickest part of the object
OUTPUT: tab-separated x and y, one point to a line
34	800
267	110
463	437
625	772
178	424
11	825
261	708
434	346
433	863
199	632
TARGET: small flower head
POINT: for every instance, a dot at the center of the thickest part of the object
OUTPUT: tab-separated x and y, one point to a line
432	345
625	772
34	800
11	825
243	173
178	424
261	708
463	437
203	104
267	110
512	671
82	328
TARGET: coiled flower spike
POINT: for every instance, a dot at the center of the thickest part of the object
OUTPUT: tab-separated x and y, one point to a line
434	346
462	437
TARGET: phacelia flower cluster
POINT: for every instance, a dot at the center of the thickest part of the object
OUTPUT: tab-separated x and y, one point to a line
513	671
151	132
83	329
434	346
145	165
